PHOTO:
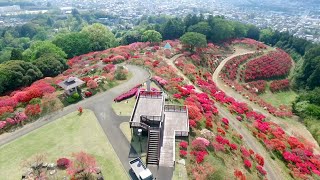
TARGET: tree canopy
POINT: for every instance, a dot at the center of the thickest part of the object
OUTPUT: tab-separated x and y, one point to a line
50	65
100	37
73	44
173	29
40	48
17	73
151	36
194	40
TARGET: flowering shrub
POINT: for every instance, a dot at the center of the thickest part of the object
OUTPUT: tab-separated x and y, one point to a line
225	121
256	87
6	109
88	93
247	163
2	124
250	42
275	64
261	170
183	145
161	81
63	163
128	94
239	175
32	110
200	144
92	84
109	68
259	159
280	85
183	153
231	67
200	155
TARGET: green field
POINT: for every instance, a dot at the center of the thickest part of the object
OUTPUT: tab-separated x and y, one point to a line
276	99
71	133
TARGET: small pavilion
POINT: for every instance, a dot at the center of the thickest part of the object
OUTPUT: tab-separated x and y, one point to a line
167	46
71	85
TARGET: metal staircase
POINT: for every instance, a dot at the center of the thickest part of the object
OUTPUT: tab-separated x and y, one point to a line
153	154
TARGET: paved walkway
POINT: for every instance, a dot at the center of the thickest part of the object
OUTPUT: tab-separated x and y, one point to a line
101	105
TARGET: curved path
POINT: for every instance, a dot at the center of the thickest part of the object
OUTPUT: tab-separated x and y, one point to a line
272	168
292	128
100	104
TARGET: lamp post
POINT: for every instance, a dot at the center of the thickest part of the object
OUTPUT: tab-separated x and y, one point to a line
140	134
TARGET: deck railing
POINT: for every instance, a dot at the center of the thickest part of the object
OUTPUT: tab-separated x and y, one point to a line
151	94
175	108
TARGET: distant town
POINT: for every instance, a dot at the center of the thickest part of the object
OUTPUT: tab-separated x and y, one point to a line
302	22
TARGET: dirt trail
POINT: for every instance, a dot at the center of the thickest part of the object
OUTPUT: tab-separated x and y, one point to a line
273	170
291	127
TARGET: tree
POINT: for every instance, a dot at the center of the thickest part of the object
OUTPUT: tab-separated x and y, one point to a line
73	44
40	48
221	29
173	29
83	166
131	37
50	65
16	73
253	32
16	54
194	40
201	27
29	30
151	36
100	37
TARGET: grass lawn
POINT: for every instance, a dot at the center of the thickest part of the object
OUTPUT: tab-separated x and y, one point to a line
276	99
134	141
124	108
71	133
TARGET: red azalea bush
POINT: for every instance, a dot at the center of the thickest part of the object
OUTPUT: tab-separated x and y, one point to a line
132	92
259	159
8	101
261	170
239	175
2	124
183	145
92	84
6	109
32	110
160	80
109	67
232	66
249	42
256	87
183	153
63	163
88	93
247	163
280	85
275	64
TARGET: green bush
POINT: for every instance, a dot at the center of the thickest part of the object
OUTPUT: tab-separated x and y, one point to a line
35	101
73	98
120	73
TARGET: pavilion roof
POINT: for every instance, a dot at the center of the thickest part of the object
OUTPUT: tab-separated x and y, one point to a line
70	83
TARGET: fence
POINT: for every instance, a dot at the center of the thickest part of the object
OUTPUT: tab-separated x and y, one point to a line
175	108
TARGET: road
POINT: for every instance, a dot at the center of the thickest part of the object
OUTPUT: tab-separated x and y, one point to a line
272	168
